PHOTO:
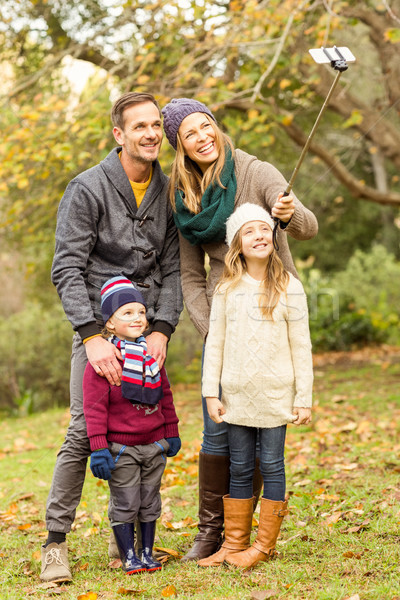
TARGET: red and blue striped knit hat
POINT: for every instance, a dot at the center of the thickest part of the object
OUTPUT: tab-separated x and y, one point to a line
116	292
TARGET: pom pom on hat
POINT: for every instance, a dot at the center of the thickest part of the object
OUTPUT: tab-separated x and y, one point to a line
178	109
116	292
244	214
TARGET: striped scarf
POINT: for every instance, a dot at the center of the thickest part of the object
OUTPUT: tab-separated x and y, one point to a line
141	380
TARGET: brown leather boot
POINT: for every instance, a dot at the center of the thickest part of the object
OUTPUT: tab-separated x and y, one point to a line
271	517
213	485
238	518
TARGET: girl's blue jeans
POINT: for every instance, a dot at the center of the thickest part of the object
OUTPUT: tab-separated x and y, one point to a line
242	443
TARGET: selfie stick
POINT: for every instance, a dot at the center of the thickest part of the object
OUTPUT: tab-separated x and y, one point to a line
337	57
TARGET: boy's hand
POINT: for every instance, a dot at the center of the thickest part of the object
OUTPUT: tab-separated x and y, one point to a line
174	445
215	409
303	416
102	463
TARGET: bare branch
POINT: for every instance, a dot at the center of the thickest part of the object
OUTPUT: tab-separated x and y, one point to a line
356	188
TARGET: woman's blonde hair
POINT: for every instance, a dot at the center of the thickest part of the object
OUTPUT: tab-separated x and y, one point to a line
187	176
274	283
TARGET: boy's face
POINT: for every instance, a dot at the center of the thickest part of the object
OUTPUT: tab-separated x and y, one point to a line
129	321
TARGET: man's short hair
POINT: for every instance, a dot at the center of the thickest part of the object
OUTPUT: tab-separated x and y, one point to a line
127	100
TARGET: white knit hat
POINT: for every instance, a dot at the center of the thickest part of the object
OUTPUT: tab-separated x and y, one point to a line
244	214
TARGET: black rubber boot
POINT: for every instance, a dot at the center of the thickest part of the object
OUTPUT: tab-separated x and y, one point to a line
148	532
125	538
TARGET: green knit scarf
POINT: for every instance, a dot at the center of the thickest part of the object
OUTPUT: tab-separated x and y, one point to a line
217	204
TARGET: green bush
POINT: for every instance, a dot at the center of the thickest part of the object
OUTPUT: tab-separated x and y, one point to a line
372	279
356	307
352	329
184	353
35	350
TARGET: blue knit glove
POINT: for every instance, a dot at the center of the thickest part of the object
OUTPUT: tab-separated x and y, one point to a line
174	445
102	463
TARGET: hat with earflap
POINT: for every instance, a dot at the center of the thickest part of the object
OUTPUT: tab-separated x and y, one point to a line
116	292
244	214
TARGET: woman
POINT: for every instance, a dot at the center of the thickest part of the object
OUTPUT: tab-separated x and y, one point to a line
209	179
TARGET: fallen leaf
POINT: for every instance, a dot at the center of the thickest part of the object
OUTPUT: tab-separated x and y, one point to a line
262	594
333	518
124	592
350	554
82	567
115	564
339	398
88	596
91	531
302	483
350	426
47	585
355	597
349	467
169	591
187	522
24	527
25	497
167	551
358	528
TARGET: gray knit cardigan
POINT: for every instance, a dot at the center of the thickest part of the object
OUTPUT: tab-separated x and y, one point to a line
101	233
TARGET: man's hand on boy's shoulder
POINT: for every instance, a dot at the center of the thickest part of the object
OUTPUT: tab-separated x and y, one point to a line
157	347
103	356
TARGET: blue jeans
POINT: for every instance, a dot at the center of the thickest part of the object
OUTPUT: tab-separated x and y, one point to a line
242	443
215	435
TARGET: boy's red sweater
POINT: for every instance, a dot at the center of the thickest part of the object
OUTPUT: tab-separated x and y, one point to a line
112	418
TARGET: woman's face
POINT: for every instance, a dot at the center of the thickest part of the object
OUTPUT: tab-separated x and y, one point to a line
198	139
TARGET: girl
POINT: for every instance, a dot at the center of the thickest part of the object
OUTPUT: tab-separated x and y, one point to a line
259	350
209	179
130	427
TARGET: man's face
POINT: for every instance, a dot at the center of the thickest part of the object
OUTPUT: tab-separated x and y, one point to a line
142	134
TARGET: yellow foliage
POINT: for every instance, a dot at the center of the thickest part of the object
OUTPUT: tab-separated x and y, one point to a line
210	82
253	114
284	83
287	120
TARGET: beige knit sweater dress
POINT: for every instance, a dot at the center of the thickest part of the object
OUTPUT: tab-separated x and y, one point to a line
264	366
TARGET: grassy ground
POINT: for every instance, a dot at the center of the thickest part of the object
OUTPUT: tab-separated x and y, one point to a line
340	541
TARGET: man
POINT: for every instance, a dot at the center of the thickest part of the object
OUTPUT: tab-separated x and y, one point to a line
113	219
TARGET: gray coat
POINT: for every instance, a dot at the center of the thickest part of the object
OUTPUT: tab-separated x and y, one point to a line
101	233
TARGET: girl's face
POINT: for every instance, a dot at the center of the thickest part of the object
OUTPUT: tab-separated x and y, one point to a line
256	239
129	321
198	139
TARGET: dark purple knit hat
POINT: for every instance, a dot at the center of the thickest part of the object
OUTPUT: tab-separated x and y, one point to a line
176	111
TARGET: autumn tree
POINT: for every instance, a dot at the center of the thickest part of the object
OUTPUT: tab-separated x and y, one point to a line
248	59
